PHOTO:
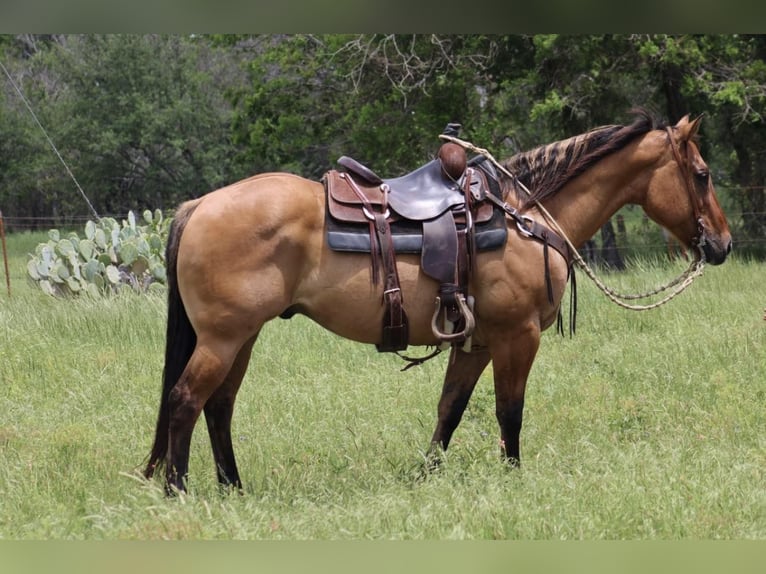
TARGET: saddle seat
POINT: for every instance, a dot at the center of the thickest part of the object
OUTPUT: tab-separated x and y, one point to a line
422	194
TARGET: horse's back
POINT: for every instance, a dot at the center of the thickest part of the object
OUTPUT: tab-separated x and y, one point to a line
255	212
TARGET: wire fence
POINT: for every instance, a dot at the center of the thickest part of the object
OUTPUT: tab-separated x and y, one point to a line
40	223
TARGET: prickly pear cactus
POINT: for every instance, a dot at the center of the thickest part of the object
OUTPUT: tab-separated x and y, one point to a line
110	258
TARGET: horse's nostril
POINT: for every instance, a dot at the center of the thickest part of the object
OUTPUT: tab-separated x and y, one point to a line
728	247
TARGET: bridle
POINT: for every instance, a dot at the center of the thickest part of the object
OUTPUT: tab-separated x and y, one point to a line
698	241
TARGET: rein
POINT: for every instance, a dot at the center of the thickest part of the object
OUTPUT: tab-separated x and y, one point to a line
679	284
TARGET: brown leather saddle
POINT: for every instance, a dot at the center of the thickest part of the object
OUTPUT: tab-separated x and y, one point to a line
439	211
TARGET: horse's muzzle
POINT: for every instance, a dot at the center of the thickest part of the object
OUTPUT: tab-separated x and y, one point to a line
716	249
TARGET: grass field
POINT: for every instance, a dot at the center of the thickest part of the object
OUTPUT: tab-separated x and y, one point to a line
643	426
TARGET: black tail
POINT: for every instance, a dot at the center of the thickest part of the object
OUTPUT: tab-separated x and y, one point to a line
179	342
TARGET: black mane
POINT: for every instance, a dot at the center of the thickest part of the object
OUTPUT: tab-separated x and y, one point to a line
546	169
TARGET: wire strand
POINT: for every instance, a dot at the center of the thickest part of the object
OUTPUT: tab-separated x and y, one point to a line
50	141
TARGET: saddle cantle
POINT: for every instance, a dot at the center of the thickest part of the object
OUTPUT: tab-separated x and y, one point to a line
435	211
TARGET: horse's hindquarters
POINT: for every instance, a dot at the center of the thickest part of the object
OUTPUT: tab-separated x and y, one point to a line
246	250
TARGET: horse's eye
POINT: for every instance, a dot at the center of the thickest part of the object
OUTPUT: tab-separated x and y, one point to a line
702	176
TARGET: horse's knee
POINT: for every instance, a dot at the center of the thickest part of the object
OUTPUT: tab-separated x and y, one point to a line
198	384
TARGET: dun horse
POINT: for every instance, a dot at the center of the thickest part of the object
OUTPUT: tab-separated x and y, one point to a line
268	233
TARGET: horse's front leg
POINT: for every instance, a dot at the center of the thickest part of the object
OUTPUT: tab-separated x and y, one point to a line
463	372
512	358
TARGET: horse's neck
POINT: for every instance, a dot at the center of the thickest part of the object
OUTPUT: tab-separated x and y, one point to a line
586	203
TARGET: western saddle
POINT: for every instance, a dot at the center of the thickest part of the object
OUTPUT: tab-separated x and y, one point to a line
446	210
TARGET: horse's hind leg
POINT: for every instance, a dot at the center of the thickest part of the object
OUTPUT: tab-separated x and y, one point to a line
463	373
204	373
218	412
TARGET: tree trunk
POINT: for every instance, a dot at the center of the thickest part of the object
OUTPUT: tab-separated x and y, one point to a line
610	255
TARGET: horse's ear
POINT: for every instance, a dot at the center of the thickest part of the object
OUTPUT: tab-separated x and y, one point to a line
688	129
695	126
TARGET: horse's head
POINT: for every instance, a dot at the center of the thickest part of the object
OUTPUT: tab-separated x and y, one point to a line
682	198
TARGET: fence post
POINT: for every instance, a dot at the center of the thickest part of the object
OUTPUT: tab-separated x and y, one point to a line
5	255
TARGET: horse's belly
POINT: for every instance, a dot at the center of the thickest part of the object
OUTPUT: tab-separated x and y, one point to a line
347	303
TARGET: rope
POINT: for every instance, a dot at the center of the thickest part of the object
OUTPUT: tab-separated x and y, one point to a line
66	167
680	283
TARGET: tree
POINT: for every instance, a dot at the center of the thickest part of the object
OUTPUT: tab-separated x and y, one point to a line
138	110
137	119
382	98
577	82
146	121
29	183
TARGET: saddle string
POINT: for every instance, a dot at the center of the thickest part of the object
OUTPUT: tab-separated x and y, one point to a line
417	361
679	284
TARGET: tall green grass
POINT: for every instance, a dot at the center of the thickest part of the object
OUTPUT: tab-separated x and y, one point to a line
642	426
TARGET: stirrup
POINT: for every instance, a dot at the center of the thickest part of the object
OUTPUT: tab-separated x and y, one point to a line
465	312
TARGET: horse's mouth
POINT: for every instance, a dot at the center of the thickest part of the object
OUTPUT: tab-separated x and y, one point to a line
717	250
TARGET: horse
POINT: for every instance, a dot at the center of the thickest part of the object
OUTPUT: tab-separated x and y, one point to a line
267	232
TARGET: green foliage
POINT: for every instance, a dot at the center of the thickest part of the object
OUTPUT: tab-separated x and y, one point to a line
139	119
110	258
381	98
553	104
